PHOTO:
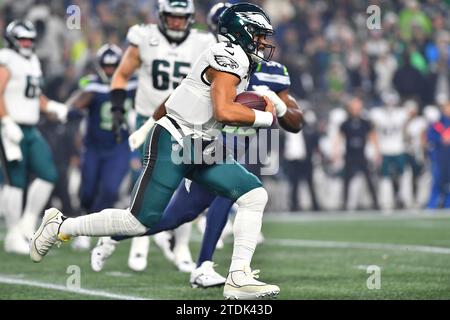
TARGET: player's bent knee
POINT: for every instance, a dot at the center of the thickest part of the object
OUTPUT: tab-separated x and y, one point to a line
256	199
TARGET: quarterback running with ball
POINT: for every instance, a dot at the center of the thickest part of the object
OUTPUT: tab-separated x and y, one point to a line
196	111
191	199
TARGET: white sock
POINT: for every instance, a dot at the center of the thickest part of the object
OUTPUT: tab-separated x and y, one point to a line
12	205
201	224
247	226
140	245
37	197
182	235
108	222
386	192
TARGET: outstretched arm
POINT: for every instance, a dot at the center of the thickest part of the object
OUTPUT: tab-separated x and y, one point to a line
55	107
130	62
292	120
80	100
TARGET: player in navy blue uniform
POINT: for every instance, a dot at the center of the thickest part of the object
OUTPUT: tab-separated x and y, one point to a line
105	159
191	199
438	137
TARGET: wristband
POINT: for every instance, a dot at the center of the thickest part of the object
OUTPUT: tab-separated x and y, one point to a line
263	119
118	97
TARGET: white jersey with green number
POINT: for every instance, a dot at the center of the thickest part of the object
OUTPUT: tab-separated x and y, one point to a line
390	126
190	104
23	89
163	64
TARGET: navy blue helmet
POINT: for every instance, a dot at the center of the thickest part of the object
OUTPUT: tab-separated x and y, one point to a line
109	55
214	13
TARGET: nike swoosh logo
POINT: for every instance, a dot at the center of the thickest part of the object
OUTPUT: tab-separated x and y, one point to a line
232	53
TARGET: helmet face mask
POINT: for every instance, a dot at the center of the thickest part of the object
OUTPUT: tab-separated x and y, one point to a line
248	26
175	9
262	49
17	31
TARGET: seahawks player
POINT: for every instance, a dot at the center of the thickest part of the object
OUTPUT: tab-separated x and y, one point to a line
191	199
26	151
163	54
196	111
104	162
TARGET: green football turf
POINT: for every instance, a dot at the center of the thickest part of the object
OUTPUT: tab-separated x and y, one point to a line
309	258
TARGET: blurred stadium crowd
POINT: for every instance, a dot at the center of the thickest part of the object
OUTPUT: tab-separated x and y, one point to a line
331	56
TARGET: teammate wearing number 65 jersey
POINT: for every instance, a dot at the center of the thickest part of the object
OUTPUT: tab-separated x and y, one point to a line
162	54
22	147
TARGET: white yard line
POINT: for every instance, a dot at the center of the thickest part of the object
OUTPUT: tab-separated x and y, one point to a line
356	245
356	216
45	285
119	274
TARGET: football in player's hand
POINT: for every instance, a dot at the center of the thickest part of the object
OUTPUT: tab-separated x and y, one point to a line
252	100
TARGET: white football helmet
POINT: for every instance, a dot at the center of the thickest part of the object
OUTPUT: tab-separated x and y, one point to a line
178	8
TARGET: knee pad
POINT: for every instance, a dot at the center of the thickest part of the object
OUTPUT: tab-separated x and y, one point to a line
255	199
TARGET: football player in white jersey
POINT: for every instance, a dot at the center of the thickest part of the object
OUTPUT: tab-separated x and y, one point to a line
196	111
163	54
25	150
390	122
415	132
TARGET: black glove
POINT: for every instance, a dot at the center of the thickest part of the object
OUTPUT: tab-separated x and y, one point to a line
118	97
117	122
